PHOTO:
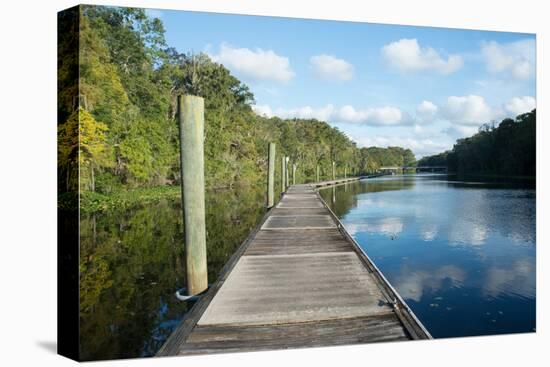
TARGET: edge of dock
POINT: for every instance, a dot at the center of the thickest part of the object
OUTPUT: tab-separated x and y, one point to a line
405	315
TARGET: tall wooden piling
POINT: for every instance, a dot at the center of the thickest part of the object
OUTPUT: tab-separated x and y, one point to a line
333	170
283	174
191	123
271	175
317	175
294	173
287	181
346	172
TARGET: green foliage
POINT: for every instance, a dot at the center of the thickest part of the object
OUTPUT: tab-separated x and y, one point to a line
82	148
507	149
68	39
374	157
437	160
93	202
130	79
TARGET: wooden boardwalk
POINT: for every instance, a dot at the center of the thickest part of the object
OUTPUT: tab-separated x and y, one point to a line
299	280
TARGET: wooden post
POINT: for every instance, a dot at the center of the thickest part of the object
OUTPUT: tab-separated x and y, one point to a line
287	181
333	170
271	175
191	121
346	172
317	176
294	173
283	174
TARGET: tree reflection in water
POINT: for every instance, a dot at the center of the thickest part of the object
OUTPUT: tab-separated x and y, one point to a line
132	262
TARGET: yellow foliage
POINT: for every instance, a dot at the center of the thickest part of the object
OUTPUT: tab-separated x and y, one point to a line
82	143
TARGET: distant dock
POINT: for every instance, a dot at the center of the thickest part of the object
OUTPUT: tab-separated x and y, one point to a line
298	280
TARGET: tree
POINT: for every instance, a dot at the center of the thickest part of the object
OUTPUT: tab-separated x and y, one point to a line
82	145
507	148
131	79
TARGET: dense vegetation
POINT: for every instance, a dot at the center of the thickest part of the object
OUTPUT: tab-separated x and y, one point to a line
391	156
117	107
506	149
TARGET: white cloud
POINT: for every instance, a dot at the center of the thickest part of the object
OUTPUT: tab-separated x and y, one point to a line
516	59
461	131
469	110
518	105
255	64
419	146
426	111
263	110
328	67
305	112
418	129
468	113
407	56
379	116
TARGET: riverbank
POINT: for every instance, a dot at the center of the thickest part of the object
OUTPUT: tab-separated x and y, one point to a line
93	202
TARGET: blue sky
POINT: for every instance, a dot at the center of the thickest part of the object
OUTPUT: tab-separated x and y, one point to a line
416	87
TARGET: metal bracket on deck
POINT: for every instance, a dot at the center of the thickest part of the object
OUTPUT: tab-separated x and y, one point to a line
180	295
392	303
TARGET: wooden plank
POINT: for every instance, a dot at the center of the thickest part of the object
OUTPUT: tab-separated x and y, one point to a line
298	211
298	241
409	320
311	204
229	338
299	280
301	221
178	337
303	196
276	289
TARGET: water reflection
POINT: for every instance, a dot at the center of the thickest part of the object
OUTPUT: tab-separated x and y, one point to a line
132	262
461	252
517	279
412	284
429	231
387	226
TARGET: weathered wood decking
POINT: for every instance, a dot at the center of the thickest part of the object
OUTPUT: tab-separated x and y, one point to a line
299	280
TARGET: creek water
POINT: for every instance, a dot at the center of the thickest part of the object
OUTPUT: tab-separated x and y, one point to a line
132	262
460	252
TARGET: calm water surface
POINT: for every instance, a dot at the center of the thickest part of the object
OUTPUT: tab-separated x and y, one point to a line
461	253
132	263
